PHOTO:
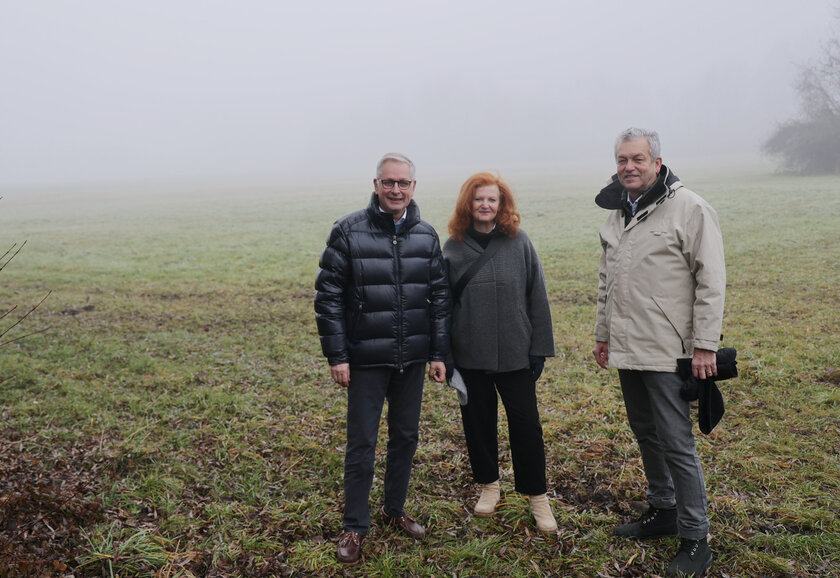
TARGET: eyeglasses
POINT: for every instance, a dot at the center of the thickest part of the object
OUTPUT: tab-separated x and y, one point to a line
389	184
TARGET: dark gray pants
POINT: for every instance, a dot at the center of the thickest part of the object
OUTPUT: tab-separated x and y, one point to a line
369	388
660	420
480	416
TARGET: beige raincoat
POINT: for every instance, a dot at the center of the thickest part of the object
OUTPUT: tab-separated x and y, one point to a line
662	279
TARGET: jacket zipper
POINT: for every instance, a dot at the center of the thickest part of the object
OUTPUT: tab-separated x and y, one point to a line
399	305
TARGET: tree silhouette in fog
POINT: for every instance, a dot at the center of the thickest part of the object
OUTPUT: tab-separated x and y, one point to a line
810	143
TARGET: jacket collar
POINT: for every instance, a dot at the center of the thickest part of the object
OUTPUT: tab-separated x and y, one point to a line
386	221
614	197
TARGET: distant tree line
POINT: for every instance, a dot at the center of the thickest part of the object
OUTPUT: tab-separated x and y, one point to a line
810	143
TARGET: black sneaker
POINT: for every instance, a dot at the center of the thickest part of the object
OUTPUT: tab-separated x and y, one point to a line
654	523
693	559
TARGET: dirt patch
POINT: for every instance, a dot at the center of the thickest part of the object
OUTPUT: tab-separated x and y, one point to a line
42	509
831	376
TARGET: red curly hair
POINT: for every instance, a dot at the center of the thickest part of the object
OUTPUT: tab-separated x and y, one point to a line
507	219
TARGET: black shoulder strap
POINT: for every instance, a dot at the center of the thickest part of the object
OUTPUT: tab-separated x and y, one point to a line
489	251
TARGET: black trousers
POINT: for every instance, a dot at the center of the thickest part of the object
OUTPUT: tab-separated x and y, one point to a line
369	388
480	417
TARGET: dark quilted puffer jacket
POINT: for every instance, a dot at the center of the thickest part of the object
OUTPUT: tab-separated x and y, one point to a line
382	296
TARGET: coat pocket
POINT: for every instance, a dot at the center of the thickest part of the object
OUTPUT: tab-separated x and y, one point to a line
680	323
355	314
526	324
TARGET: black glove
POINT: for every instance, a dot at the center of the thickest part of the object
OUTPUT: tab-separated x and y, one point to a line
727	368
537	366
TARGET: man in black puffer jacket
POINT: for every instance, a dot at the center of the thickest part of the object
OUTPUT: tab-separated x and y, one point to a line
382	306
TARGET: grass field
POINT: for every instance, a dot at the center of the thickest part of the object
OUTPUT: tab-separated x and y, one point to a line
178	419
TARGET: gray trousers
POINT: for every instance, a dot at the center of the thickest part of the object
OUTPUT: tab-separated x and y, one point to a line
369	388
660	420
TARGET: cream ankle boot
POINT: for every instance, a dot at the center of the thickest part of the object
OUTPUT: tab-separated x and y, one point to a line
541	510
486	505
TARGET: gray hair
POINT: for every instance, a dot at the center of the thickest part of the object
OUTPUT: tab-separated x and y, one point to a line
394	157
633	133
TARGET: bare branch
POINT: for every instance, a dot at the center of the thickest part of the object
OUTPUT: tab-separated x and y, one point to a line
28	313
7	312
9	250
9	260
24	337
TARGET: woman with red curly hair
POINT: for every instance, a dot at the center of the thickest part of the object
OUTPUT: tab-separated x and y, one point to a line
501	335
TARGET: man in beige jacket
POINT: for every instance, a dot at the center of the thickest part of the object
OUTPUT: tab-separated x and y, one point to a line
661	288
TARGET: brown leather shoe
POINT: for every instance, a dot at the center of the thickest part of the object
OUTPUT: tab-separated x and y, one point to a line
350	548
405	523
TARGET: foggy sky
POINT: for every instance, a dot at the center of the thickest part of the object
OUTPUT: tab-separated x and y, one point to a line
98	91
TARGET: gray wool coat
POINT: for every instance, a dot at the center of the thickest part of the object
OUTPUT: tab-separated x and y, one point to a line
503	315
